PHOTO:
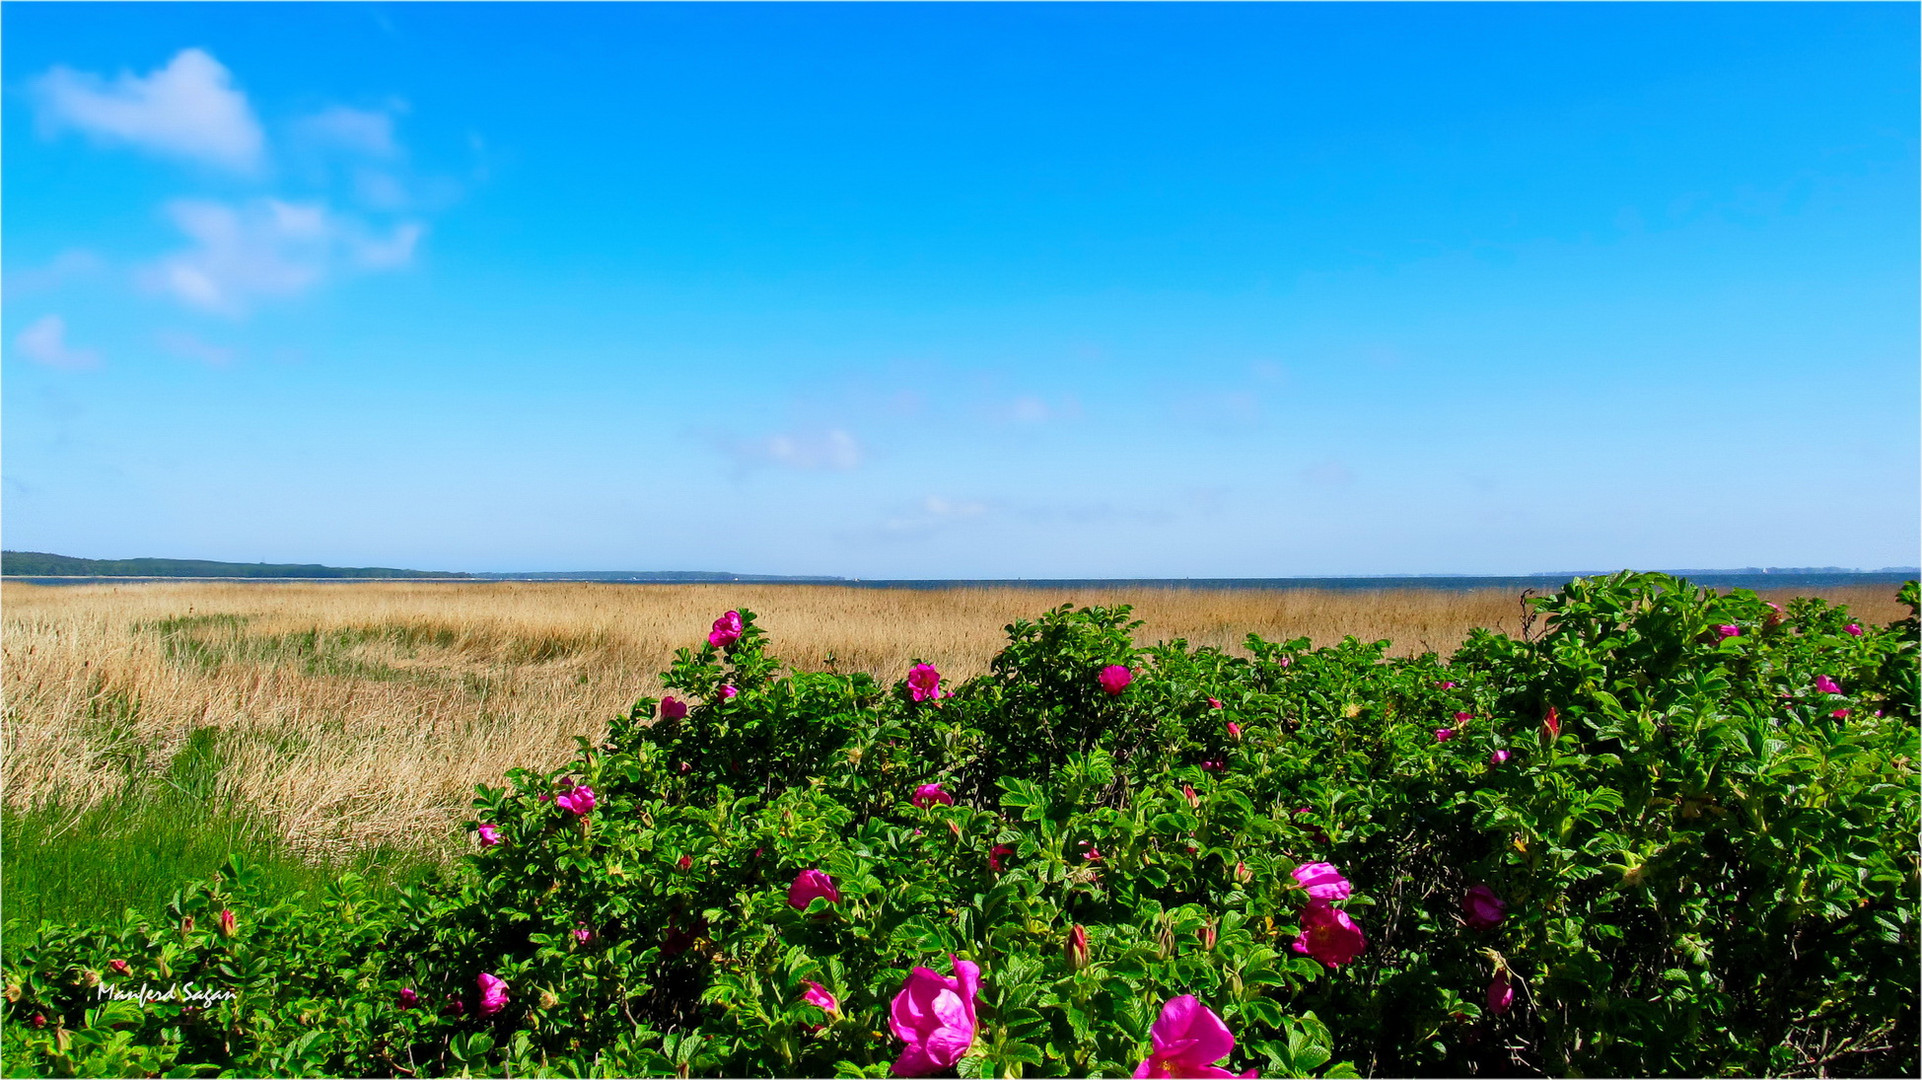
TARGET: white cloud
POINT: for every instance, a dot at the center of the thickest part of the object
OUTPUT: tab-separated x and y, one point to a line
45	342
268	248
834	449
366	132
188	109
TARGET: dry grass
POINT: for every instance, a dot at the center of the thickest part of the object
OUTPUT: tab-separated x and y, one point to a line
362	713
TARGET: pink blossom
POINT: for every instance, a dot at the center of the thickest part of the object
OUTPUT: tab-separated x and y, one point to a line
489	835
577	800
1840	714
120	967
685	862
924	683
1498	757
809	884
1501	993
226	923
1214	703
1329	935
1093	854
1188	793
818	996
1853	629
728	691
455	1005
673	708
1464	717
1234	730
583	935
1215	765
934	1015
1552	724
995	855
1322	881
1444	734
1483	908
727	630
409	999
929	794
493	994
1827	685
1283	662
685	767
1114	679
1728	631
1447	686
1187	1040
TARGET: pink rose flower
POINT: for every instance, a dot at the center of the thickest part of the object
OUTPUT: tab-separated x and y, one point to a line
1214	703
1187	1040
1827	685
120	967
1234	730
1464	717
1093	854
1447	686
995	854
1114	679
818	996
489	835
1329	935
924	683
226	923
1498	757
1215	765
1483	908
1840	714
809	884
728	691
409	999
673	708
1322	881
577	800
583	935
1501	993
1728	631
929	794
934	1015
493	994
685	862
727	630
1444	734
1853	629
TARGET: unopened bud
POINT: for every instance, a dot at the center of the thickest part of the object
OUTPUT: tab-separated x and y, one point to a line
1207	934
549	999
1077	948
226	923
119	966
186	924
1243	874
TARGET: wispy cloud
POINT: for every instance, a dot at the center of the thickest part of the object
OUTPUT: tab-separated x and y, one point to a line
45	342
833	449
269	248
365	132
191	347
932	513
188	110
67	266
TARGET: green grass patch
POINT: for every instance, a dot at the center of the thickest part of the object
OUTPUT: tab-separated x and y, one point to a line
159	832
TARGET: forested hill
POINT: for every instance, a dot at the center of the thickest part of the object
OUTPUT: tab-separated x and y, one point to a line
42	564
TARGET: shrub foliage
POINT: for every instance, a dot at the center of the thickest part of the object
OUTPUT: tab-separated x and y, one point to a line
1671	832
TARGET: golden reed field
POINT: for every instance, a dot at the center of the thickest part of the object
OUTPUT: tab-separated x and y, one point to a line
361	713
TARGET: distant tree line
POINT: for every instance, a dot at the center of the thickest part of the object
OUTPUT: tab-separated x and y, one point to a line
42	564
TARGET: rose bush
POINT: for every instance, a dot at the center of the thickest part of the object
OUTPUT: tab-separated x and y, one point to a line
1647	846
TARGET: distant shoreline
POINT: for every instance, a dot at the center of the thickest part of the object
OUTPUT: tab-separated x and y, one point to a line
1438	582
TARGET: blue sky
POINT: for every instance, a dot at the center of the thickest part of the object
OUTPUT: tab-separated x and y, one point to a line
963	290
